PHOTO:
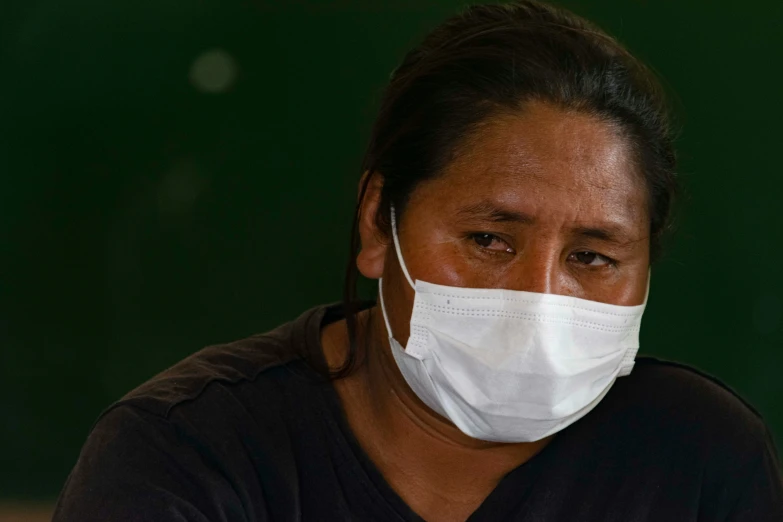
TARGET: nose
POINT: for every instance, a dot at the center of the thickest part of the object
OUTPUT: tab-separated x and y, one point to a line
536	271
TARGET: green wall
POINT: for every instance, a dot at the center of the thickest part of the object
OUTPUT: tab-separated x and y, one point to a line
142	218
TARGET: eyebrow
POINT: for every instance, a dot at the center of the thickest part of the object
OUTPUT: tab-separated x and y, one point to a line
610	233
489	211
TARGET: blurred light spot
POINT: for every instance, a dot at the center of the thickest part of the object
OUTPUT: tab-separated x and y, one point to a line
180	188
214	71
767	313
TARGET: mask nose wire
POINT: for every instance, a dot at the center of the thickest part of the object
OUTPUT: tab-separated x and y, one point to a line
398	249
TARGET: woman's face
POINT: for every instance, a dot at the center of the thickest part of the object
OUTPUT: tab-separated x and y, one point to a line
546	201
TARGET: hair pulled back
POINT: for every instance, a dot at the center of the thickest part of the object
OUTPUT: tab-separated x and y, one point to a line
492	59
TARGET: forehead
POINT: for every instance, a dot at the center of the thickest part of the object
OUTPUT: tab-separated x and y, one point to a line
547	161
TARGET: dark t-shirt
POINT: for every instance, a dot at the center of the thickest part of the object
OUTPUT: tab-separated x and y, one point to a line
247	431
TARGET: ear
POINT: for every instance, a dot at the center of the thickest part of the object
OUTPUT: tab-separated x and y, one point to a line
370	260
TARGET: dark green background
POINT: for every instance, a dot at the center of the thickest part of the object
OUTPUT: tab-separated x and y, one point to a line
141	219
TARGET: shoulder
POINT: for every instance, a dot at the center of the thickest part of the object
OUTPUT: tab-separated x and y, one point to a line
676	408
217	421
680	389
229	365
136	466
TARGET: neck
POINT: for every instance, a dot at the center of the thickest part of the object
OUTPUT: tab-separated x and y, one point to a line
408	441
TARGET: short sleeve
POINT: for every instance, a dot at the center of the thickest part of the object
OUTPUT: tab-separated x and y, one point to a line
135	466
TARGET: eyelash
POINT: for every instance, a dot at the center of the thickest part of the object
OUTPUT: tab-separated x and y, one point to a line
473	236
610	263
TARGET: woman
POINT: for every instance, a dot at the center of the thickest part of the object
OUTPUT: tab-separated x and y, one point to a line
517	183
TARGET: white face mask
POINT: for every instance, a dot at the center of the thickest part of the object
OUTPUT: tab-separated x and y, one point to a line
512	366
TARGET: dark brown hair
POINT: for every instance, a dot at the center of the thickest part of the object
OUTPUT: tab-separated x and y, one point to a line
494	58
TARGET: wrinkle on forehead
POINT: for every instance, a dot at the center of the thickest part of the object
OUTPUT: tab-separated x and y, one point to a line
559	154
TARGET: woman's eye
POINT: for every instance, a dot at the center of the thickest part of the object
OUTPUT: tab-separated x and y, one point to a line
491	242
591	258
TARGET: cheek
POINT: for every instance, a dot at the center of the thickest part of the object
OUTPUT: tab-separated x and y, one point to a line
637	292
439	260
628	290
449	261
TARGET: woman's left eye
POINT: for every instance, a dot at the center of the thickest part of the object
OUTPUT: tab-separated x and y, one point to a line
591	258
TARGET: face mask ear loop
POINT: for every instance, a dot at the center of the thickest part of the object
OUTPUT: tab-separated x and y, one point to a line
383	307
398	249
647	292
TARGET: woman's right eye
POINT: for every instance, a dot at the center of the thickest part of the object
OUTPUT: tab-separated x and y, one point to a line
491	242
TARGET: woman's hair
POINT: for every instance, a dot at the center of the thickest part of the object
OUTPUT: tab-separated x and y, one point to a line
492	59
